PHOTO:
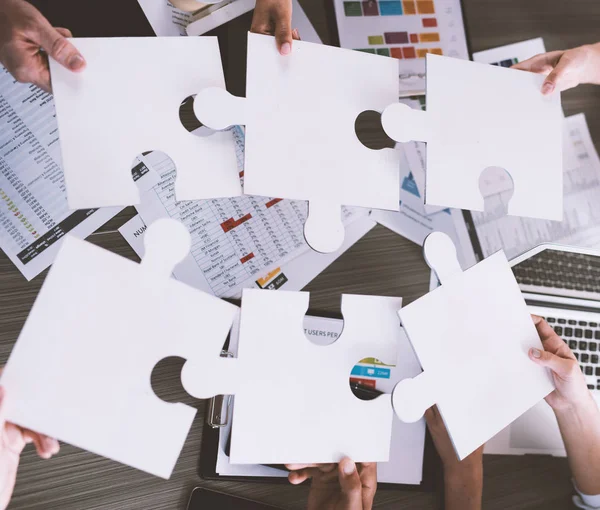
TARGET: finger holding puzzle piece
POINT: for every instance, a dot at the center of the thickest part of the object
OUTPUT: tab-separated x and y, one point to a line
471	336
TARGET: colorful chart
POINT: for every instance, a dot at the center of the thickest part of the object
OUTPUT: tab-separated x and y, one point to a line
403	29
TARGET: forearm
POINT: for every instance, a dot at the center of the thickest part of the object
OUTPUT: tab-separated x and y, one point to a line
463	488
580	430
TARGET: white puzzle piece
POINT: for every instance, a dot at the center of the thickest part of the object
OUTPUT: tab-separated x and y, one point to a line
80	370
295	404
481	116
300	111
472	336
127	102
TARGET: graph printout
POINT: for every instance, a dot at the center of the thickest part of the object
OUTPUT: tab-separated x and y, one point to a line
405	30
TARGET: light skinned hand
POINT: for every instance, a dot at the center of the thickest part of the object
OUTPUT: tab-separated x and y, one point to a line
565	69
343	486
24	33
571	388
12	441
274	17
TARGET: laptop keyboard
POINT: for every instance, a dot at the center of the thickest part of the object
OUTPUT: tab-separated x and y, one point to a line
583	338
560	270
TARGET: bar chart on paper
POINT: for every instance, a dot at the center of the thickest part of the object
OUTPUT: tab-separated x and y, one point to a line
403	29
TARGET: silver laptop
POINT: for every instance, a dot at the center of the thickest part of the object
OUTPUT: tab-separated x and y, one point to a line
561	284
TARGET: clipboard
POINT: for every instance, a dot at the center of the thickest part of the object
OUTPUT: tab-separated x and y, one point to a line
209	448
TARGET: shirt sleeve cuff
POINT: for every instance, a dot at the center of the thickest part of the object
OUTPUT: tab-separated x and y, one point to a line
586	501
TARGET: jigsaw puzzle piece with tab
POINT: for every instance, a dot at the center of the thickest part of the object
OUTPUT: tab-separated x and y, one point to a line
300	112
80	370
127	102
472	336
480	116
295	404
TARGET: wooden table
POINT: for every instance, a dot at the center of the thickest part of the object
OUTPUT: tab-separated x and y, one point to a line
382	263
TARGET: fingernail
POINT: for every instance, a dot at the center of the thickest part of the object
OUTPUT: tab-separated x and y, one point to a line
536	353
547	87
76	62
286	48
349	467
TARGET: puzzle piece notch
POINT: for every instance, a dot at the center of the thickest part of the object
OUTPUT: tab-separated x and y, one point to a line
412	397
440	255
470	125
324	230
405	124
497	189
129	119
217	109
98	310
166	244
300	112
321	413
479	376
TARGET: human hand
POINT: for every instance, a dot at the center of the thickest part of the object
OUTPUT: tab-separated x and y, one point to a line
565	69
463	480
343	486
274	17
445	449
24	33
571	389
12	441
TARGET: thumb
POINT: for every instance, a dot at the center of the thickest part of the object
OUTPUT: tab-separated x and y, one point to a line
350	484
553	80
283	31
61	50
562	366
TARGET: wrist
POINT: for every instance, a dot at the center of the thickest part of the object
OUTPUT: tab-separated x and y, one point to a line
592	68
583	413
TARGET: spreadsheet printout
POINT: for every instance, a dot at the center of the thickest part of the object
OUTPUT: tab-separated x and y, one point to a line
235	241
34	215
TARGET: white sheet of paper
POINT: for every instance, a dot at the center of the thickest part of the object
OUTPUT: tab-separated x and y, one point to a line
481	116
321	414
480	377
34	214
404	31
323	89
131	117
82	322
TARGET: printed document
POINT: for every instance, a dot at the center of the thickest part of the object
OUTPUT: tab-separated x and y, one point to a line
34	215
404	30
581	220
241	241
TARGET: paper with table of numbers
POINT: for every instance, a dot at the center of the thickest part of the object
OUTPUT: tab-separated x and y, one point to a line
245	241
34	215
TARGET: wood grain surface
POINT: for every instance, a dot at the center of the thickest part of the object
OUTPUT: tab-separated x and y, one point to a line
382	263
